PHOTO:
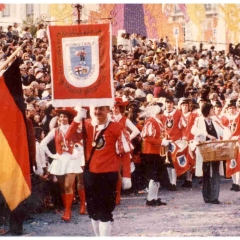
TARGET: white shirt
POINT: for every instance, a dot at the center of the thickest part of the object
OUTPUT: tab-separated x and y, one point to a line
202	63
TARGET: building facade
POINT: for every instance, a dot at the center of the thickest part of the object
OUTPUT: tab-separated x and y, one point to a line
211	24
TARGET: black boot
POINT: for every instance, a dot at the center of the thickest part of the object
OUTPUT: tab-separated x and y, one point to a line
233	187
151	203
15	224
187	184
159	202
237	188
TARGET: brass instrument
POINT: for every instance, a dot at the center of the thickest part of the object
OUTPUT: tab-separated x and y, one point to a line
164	149
166	159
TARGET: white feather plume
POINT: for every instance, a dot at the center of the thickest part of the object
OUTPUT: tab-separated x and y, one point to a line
151	111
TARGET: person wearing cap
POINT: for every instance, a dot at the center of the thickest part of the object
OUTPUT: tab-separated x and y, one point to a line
65	165
106	141
153	151
171	121
232	120
118	110
206	128
218	110
186	122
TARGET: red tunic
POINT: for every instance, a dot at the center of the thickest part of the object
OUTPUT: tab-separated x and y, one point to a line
232	123
186	123
171	123
115	140
152	134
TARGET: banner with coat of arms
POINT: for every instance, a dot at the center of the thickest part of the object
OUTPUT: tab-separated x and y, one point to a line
81	57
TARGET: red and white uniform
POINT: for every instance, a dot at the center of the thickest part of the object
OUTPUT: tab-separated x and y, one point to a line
171	122
233	123
64	161
127	124
186	123
153	132
114	142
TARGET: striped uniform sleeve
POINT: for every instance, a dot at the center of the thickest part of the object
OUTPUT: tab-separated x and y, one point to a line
123	144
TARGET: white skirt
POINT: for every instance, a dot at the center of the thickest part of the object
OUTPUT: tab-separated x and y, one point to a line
66	163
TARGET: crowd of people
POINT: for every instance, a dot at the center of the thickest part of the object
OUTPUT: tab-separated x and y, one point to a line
161	98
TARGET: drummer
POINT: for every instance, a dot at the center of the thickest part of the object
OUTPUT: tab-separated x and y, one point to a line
205	129
232	120
185	124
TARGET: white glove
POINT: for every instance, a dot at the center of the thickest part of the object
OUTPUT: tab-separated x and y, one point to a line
54	156
82	113
126	183
166	142
132	167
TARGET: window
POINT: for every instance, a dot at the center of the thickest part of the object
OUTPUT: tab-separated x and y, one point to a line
208	7
6	10
29	9
177	9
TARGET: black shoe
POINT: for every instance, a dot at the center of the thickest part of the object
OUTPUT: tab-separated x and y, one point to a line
187	184
159	202
207	201
215	201
173	188
151	203
233	187
237	188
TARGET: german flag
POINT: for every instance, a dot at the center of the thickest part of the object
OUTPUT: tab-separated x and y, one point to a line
15	181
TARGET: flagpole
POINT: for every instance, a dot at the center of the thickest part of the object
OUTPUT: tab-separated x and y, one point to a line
10	59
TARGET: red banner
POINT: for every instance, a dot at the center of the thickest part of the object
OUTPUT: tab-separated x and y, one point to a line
233	166
180	156
81	58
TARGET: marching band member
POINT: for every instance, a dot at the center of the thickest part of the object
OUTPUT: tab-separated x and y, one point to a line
218	110
105	140
204	129
118	111
65	165
186	122
154	141
232	120
171	118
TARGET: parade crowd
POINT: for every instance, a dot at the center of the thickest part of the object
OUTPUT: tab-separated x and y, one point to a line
163	101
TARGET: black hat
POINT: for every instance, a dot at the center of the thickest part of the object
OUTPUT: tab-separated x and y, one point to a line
131	85
218	104
118	87
232	103
202	98
184	101
169	99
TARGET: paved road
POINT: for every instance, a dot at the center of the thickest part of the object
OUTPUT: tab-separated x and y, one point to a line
185	215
